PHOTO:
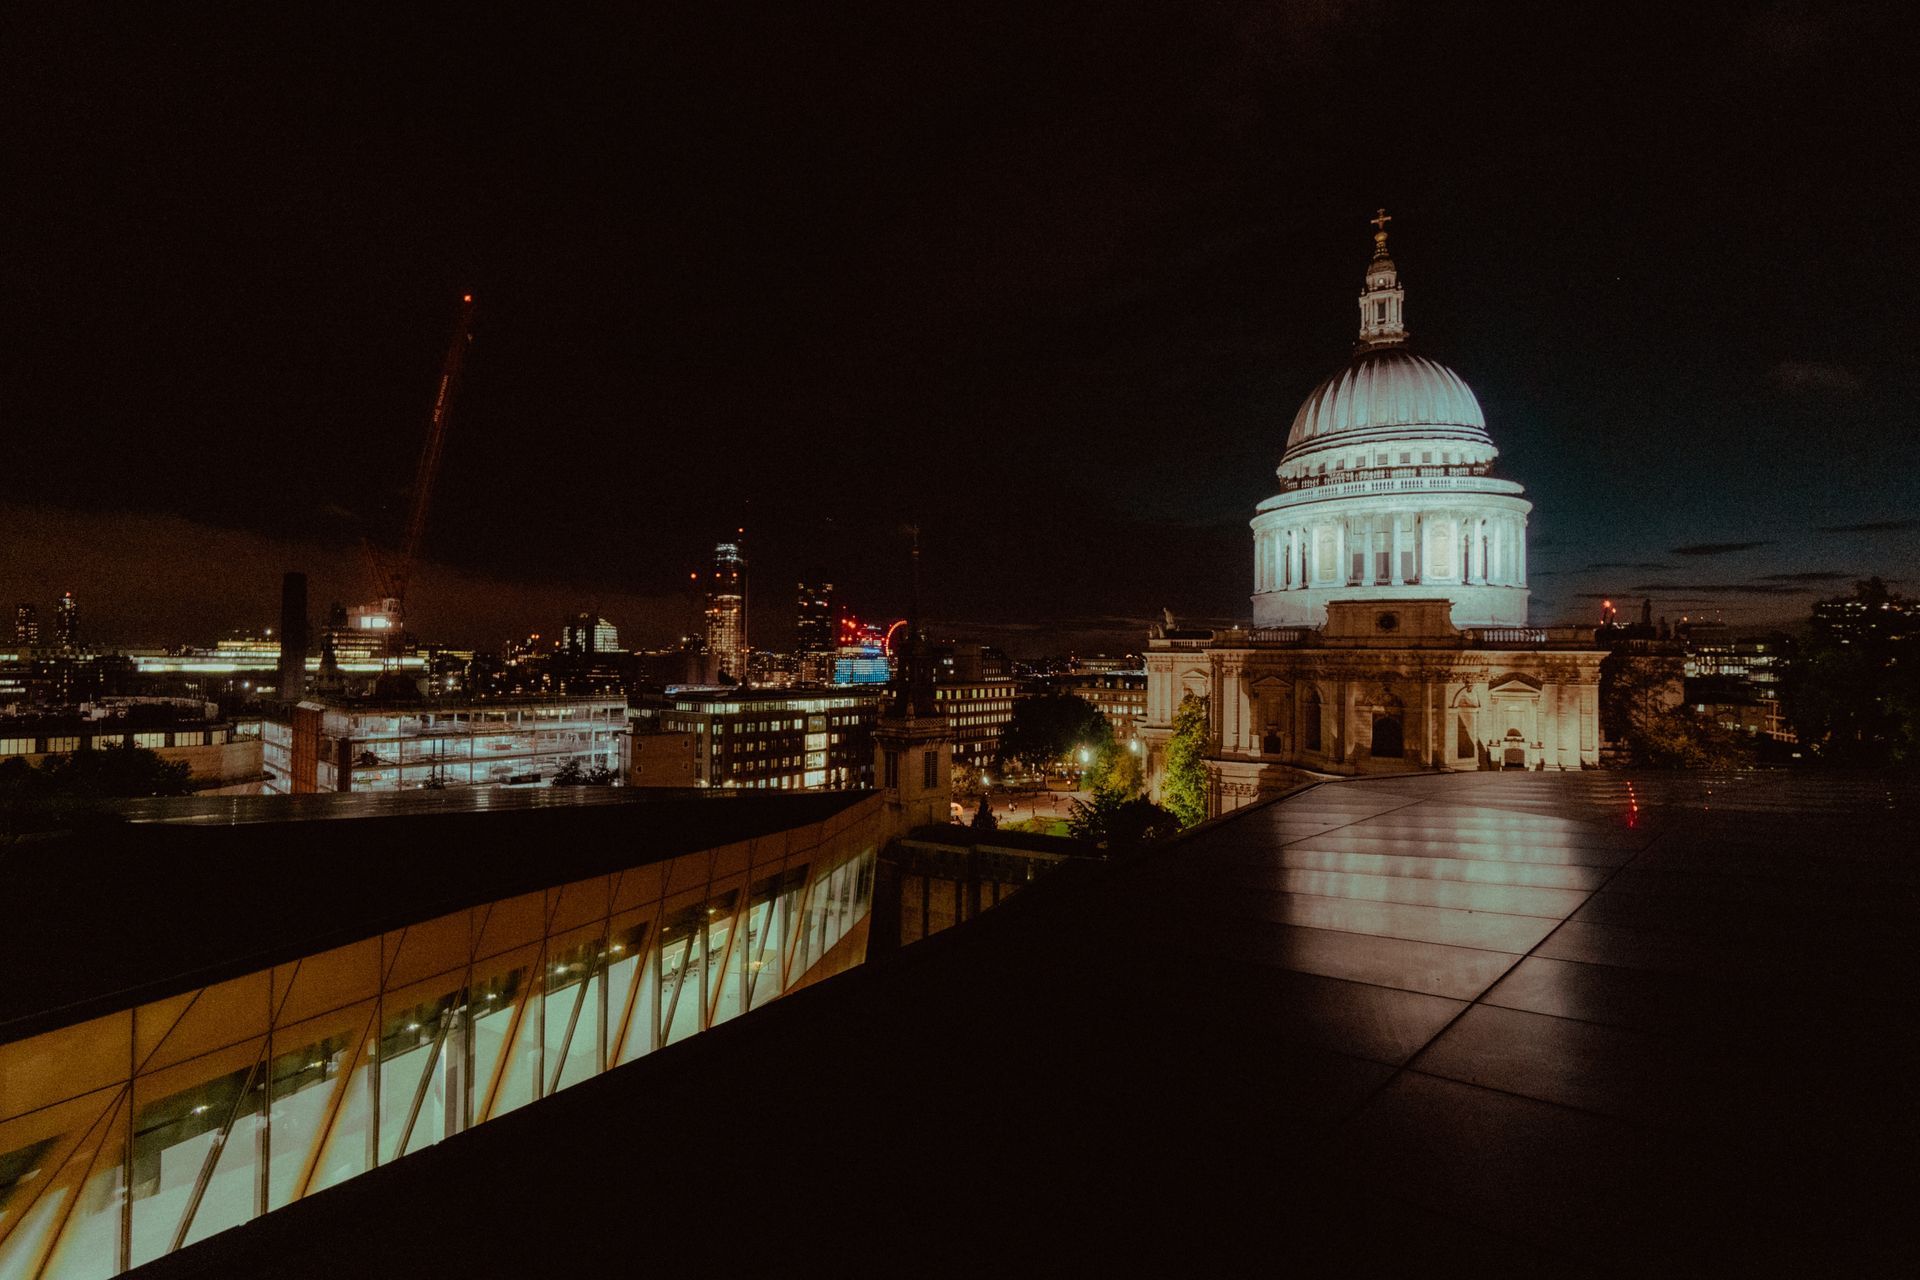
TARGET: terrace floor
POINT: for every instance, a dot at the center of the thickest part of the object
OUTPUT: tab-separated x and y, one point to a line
1487	1020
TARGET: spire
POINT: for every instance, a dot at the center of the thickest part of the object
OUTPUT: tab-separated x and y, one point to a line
912	691
1382	301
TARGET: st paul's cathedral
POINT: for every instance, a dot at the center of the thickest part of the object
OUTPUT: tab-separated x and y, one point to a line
1390	628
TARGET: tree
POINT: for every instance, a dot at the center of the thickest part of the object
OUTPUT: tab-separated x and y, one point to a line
1183	788
1853	695
574	773
983	819
108	772
1683	739
67	788
1053	728
1117	769
1641	711
1117	823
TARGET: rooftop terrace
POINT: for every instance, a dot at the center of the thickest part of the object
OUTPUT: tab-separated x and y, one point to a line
196	889
1495	1020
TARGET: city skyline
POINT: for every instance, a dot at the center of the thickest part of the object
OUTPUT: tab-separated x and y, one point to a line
1095	299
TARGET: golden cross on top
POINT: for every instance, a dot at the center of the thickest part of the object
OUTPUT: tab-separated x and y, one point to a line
1380	219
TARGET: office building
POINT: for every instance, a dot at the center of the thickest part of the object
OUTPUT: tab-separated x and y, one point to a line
325	745
26	625
1120	696
978	710
958	661
218	752
658	759
589	634
775	739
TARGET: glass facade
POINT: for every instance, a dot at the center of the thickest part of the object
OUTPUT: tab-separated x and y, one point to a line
128	1136
433	745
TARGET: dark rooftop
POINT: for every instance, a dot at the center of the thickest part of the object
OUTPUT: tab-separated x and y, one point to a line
1493	1020
200	889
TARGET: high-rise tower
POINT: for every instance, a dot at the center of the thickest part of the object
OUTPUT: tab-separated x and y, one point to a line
813	618
727	611
66	622
26	625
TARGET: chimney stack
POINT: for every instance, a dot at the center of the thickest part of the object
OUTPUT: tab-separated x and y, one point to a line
293	637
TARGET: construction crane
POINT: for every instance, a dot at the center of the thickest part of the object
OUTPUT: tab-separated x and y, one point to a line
392	572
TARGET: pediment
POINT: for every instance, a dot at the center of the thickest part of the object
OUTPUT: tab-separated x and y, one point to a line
1515	683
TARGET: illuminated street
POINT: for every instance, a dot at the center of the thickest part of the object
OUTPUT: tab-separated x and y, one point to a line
1027	804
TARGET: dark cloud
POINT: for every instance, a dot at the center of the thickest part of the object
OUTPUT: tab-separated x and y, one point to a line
1815	377
1868	526
141	578
1626	564
1811	575
1716	588
1716	548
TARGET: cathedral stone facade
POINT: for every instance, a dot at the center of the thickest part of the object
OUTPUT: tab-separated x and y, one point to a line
1390	597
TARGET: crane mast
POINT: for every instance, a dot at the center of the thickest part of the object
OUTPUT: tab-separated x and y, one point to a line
429	468
392	575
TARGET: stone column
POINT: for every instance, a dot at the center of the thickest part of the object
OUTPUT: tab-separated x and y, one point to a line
1550	725
1393	552
1419	547
1232	709
1337	742
1437	724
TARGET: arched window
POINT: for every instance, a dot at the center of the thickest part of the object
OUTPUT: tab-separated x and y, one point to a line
1389	735
1310	719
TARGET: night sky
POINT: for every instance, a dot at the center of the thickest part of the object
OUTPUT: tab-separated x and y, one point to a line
1048	280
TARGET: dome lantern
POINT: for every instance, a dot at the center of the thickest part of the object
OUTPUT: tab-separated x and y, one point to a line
1382	301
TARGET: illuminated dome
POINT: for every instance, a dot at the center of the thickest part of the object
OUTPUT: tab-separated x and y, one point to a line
1387	491
1388	393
